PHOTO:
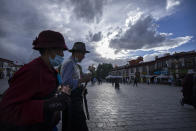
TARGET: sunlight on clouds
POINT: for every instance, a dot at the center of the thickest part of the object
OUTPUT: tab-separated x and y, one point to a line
133	17
172	3
150	57
105	51
165	34
169	44
173	43
57	15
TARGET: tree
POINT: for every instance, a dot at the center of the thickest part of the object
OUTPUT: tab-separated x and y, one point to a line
103	70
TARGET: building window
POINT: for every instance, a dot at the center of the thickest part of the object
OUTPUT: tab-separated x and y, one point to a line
132	70
159	65
144	69
164	64
189	62
137	69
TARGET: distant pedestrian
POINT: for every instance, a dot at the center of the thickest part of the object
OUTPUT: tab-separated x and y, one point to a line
99	80
135	82
112	81
148	81
155	80
129	80
94	80
170	81
1	75
116	83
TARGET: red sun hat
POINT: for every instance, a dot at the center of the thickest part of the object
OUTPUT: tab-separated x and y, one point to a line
49	39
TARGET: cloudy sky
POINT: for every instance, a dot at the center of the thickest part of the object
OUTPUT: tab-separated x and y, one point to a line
114	31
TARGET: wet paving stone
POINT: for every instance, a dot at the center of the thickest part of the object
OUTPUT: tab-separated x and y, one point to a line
142	108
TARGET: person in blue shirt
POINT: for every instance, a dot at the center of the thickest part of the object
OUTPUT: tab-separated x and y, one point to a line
74	118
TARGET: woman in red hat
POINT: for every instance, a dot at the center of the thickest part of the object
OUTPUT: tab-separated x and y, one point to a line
30	103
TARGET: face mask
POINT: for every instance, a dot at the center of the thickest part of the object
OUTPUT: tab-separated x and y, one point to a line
56	61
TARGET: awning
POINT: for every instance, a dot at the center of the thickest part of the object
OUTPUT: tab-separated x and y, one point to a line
163	76
149	76
111	77
2	69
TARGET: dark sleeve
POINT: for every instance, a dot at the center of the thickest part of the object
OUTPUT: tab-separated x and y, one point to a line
18	105
187	82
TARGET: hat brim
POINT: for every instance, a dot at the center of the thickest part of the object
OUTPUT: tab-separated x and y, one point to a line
37	48
79	51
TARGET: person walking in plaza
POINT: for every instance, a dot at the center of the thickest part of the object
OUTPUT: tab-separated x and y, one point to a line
74	118
135	82
148	81
32	103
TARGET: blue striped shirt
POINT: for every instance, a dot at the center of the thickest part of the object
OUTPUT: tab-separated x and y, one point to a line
67	73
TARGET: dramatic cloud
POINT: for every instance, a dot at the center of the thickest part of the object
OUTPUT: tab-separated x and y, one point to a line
95	37
171	4
112	30
143	35
151	57
17	26
89	10
140	35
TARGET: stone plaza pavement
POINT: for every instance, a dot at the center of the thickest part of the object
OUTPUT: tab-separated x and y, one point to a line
142	108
